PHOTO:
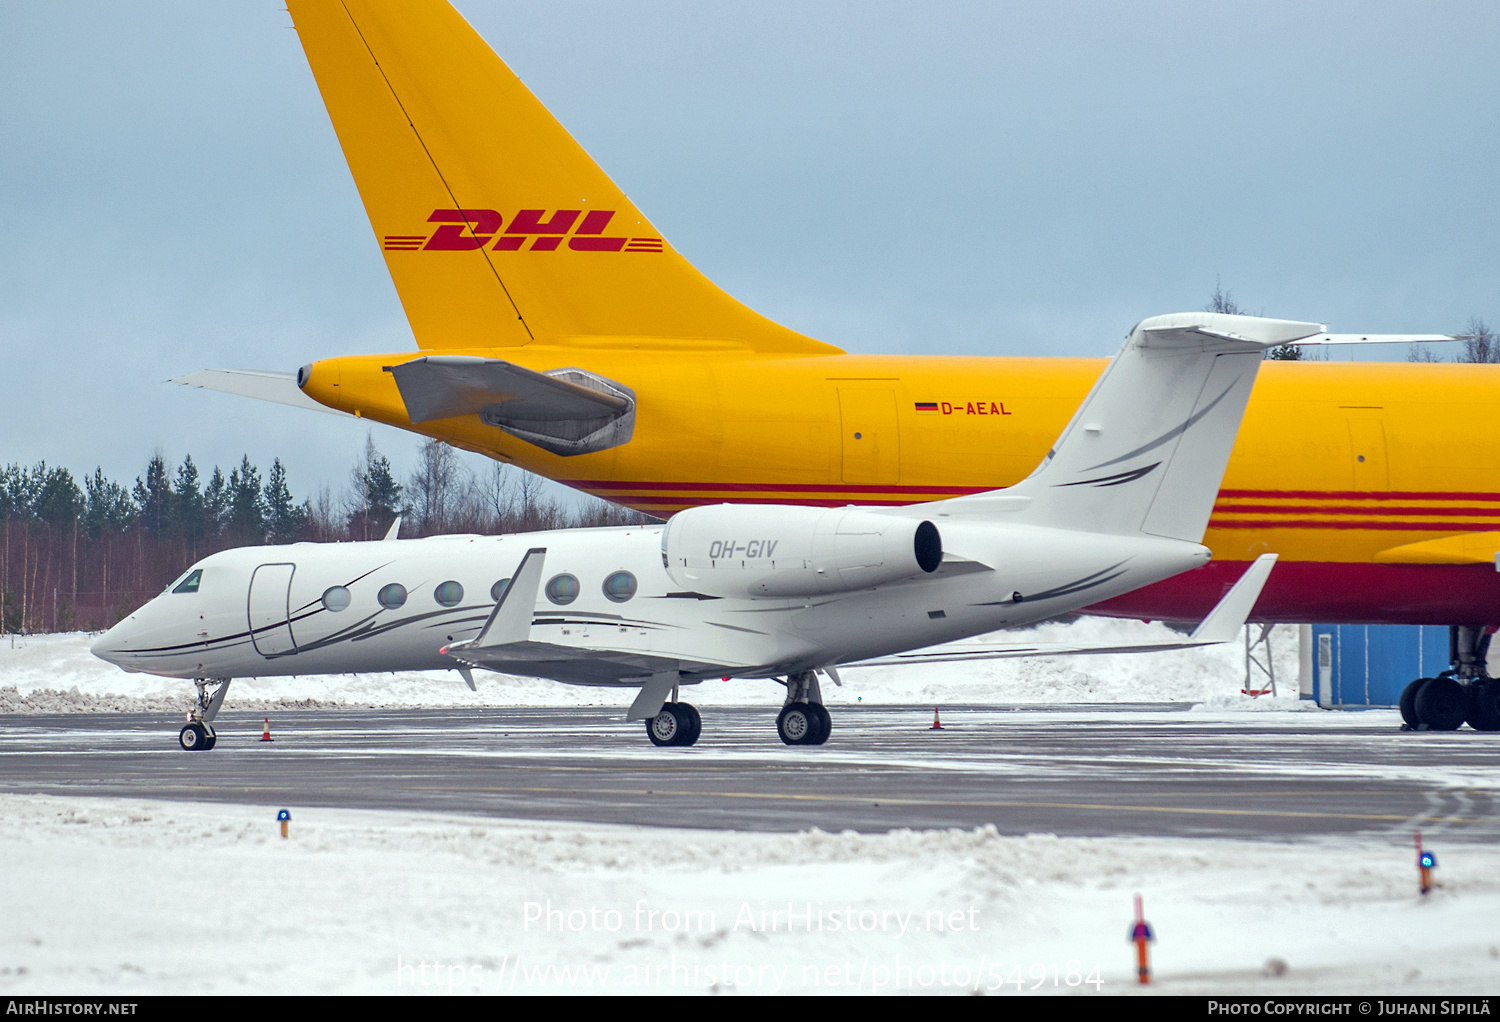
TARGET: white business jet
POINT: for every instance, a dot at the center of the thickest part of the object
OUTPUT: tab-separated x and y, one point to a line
754	591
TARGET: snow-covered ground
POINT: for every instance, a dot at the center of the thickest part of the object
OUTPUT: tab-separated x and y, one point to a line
45	669
133	897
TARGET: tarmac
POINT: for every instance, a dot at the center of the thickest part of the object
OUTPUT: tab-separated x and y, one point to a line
1146	770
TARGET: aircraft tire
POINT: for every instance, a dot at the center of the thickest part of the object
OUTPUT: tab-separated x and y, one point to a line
668	727
193	738
825	724
1484	705
1442	704
694	723
797	724
1409	703
210	741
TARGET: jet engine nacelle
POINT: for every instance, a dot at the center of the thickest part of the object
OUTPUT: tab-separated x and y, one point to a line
739	550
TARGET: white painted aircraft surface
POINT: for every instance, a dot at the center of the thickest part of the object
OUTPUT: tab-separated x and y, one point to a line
753	591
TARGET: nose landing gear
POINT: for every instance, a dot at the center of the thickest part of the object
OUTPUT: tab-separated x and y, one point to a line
199	734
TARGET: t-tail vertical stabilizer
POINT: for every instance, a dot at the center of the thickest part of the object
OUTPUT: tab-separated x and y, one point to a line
1146	451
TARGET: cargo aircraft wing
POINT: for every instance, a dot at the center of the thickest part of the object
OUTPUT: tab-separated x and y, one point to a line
1222	624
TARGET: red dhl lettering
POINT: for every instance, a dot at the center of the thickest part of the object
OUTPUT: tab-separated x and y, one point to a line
468	230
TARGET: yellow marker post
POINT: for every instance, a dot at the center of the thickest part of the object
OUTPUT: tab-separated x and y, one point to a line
285	818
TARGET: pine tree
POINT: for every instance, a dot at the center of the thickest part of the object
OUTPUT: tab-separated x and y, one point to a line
187	506
215	505
106	506
154	497
284	519
247	515
377	495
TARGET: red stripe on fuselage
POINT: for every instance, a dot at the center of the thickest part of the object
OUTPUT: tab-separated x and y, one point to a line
1327	592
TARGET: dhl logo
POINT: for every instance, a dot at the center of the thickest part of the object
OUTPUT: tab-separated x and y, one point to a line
466	230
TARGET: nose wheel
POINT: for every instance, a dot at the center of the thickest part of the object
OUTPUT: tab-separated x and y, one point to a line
197	738
199	734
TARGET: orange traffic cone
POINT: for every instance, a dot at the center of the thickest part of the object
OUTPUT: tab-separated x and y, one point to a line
937	725
265	735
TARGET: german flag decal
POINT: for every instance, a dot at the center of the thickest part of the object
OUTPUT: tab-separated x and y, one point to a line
927	406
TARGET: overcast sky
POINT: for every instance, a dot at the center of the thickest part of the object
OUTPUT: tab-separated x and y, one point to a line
1026	178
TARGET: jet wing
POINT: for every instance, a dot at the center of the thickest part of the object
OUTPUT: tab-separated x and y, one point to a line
1222	624
565	411
573	665
261	384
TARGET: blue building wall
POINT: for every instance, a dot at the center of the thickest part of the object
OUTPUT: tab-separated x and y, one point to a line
1370	664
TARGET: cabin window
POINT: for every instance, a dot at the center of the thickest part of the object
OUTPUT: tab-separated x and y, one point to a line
620	587
335	599
449	594
498	589
563	589
189	584
392	596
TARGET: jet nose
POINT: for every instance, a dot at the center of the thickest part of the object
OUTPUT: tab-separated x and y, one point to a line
114	646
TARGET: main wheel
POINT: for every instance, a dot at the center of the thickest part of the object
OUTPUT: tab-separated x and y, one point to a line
798	724
1442	704
211	740
694	723
825	724
1409	702
1484	705
193	738
671	726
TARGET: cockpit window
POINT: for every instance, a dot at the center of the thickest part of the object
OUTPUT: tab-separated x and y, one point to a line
189	584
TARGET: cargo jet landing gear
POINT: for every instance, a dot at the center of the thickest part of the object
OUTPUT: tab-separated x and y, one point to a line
1463	692
804	720
199	734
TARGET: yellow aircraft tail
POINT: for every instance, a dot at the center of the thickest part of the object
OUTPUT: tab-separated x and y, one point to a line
498	229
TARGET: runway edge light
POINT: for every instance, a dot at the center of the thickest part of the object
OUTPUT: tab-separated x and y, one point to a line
285	817
1141	936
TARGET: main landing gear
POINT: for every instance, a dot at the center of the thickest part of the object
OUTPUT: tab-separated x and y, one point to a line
675	724
199	735
804	720
1464	692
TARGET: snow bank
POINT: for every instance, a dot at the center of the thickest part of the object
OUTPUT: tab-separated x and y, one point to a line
56	673
134	897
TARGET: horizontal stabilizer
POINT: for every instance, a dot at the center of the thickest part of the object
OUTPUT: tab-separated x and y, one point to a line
261	384
1223	624
565	411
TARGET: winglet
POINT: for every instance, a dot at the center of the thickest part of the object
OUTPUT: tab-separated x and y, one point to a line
1224	622
394	532
510	621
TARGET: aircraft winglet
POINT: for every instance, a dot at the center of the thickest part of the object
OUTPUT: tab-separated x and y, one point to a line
1224	622
510	621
